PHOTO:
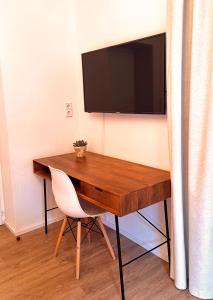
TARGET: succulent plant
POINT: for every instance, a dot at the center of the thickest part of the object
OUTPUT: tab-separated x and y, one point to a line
79	143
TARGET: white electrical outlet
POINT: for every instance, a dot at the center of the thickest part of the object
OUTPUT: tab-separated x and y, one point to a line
68	109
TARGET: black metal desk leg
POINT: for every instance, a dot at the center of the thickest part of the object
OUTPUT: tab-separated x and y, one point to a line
45	206
167	231
119	258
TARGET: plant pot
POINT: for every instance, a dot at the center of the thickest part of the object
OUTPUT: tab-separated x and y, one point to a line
80	151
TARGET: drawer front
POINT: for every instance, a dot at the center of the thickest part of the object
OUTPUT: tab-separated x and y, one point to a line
107	200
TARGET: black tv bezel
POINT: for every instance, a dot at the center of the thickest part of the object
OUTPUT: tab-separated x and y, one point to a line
164	112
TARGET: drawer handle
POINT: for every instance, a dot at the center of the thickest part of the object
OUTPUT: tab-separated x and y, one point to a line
98	189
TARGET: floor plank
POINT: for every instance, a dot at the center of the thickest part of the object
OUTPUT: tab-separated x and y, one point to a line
29	271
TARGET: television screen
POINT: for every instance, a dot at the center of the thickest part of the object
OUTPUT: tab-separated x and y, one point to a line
126	78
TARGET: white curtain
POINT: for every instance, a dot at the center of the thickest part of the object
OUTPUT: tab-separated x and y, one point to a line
190	115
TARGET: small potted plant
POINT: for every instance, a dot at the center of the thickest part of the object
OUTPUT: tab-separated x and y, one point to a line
80	147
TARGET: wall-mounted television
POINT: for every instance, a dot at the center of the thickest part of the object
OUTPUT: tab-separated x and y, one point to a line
126	78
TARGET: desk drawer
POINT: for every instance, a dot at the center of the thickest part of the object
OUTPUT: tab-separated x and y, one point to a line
106	200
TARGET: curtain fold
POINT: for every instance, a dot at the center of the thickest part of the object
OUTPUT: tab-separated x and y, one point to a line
174	107
190	119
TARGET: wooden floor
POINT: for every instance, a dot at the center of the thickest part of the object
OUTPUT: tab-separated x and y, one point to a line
28	270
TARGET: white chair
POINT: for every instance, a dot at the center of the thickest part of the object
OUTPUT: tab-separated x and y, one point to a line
69	203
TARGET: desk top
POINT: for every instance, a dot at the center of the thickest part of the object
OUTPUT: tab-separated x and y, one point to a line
129	186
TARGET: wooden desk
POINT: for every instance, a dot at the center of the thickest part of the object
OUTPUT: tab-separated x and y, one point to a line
118	186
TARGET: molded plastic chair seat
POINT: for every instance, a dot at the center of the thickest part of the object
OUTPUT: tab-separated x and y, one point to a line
69	203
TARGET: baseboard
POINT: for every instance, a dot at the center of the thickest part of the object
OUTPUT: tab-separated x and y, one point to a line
32	227
12	230
2	217
160	253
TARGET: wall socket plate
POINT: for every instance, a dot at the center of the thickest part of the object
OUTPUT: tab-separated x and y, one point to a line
68	109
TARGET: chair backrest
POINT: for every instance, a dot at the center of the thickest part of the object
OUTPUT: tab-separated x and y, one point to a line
65	194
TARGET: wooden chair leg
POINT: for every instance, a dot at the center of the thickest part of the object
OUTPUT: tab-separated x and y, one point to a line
60	236
78	250
106	237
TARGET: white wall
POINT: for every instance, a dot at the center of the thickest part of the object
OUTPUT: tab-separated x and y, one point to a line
138	138
41	69
38	64
5	178
1	200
